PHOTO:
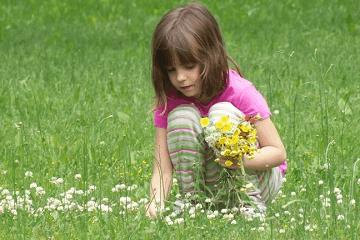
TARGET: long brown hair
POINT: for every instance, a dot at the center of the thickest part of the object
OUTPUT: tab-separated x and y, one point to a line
190	34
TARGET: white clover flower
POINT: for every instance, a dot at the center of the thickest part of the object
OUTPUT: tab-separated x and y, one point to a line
303	190
40	191
276	112
208	200
293	194
307	227
125	200
188	195
358	181
284	180
192	215
192	210
233	222
337	190
105	208
132	187
281	230
28	174
224	211
79	192
92	188
292	220
261	229
352	202
33	185
198	206
277	215
210	216
321	182
340	217
179	221
178	196
77	176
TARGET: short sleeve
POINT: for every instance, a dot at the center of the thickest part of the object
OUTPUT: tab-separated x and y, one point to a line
160	118
252	102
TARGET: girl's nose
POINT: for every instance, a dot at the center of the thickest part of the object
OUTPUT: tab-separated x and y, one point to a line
181	75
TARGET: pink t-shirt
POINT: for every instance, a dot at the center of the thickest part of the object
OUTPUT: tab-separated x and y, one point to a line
238	91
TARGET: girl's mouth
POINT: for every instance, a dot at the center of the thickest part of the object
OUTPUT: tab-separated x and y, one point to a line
186	88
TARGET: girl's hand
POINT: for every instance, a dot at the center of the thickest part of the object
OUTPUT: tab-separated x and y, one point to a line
151	210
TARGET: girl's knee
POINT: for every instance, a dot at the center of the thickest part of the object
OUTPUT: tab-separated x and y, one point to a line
184	116
225	109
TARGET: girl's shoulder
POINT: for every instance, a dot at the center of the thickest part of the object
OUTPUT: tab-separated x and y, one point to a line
236	82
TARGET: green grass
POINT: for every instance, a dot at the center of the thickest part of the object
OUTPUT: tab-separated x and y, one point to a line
76	94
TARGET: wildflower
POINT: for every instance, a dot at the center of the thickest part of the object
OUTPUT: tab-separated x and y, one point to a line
224	211
321	182
179	221
293	194
77	176
358	181
281	230
337	190
40	191
33	185
210	216
276	112
28	174
340	217
352	202
204	122
233	222
208	200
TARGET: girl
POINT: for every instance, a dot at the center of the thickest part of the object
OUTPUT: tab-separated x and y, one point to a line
192	79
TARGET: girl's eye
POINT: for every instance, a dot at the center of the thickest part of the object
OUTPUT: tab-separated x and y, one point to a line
171	69
190	66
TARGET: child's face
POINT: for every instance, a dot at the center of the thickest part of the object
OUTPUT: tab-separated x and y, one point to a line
186	78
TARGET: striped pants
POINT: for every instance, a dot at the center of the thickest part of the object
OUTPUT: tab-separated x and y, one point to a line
193	161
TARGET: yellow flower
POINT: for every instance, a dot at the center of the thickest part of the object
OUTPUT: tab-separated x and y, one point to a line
204	122
236	132
223	122
222	140
245	127
228	163
226	152
226	127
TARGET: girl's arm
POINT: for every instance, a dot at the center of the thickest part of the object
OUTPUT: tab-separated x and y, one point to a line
162	173
272	151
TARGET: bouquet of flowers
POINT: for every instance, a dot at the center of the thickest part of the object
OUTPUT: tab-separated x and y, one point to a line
230	142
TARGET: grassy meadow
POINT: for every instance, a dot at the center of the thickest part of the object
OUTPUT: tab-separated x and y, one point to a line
76	133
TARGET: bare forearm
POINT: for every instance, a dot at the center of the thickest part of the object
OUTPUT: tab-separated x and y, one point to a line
266	158
160	187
